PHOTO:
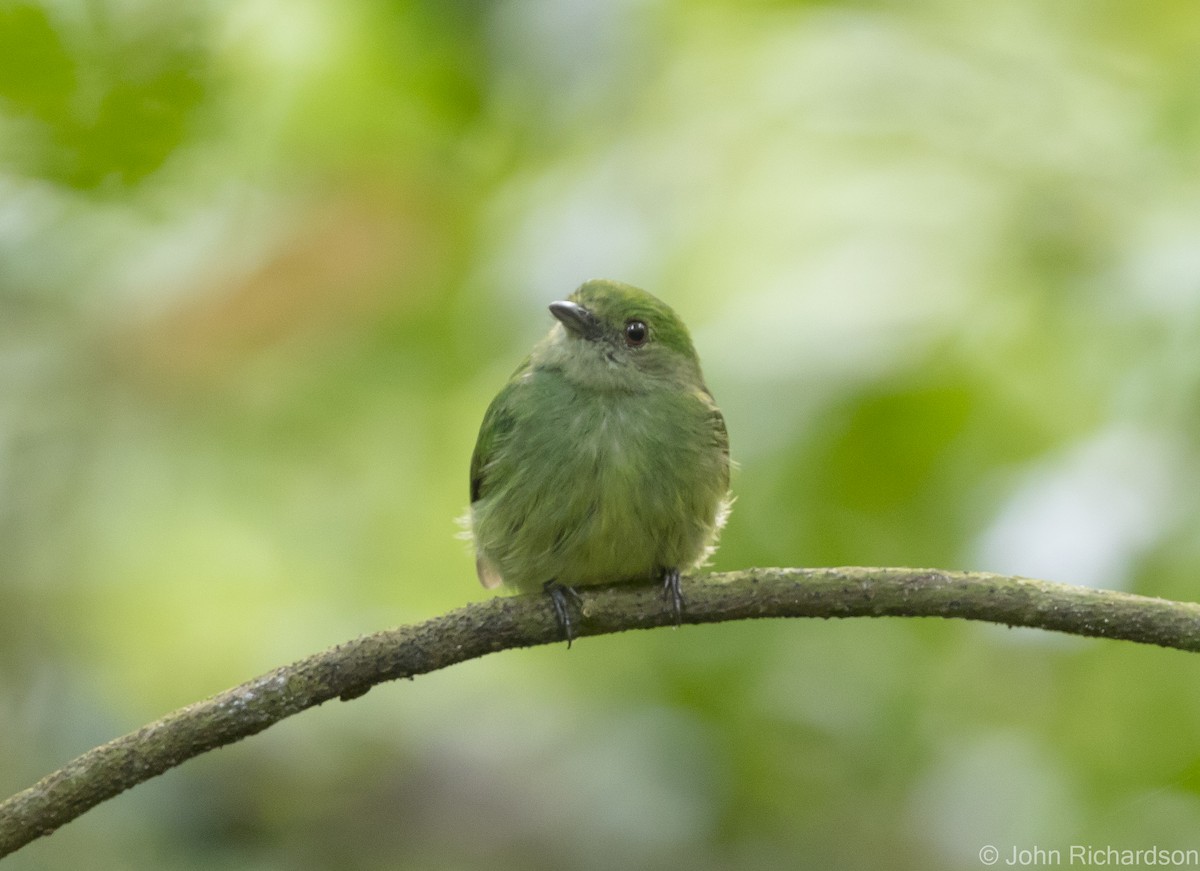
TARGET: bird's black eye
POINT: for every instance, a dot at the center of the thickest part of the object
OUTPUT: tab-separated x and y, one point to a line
636	333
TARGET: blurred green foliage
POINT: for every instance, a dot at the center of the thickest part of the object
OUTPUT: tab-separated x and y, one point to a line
263	265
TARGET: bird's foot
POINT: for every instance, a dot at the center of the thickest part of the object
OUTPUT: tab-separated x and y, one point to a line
562	597
672	593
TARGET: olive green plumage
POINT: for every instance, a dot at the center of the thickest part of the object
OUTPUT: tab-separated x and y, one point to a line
604	458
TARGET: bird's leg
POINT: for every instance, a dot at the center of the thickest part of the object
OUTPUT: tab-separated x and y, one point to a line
671	592
561	597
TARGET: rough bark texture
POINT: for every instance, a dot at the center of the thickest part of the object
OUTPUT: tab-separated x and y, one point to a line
349	670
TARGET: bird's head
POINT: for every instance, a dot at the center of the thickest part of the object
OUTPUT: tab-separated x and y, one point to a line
611	335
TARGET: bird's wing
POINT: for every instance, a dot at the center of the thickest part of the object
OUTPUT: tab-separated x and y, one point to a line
720	434
497	422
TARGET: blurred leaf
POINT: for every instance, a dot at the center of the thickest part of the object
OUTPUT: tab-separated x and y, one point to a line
37	73
112	102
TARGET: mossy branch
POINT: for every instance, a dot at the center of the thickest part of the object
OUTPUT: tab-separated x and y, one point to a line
350	669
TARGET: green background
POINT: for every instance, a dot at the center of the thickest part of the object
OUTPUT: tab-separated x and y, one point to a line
263	264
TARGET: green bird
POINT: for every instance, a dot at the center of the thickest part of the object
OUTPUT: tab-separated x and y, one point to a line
604	458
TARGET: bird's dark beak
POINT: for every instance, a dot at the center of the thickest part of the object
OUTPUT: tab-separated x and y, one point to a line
576	319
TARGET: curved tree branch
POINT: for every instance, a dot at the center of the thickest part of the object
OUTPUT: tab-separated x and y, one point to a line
350	669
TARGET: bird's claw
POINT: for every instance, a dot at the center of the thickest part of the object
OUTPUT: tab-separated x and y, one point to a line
562	597
672	592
